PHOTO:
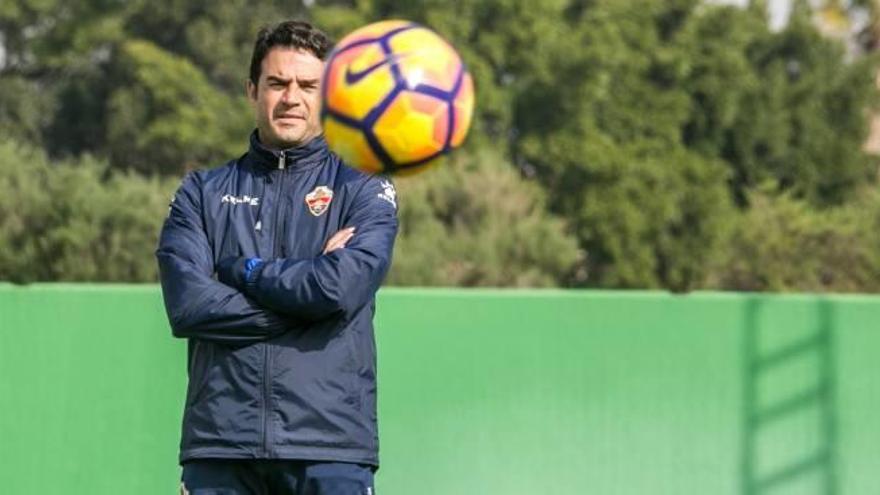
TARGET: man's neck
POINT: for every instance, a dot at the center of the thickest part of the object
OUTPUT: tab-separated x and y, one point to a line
283	146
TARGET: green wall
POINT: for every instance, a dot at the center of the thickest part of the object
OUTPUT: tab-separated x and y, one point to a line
483	392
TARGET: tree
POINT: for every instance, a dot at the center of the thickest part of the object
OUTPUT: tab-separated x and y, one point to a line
164	116
603	131
803	126
216	37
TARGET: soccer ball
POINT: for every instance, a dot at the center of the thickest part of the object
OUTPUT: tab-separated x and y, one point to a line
396	98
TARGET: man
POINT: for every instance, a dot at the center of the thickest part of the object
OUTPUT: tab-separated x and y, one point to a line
269	267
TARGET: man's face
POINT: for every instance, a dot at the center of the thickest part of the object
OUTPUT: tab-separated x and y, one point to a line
286	99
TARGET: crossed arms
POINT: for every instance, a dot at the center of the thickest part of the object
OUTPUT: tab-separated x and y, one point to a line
286	293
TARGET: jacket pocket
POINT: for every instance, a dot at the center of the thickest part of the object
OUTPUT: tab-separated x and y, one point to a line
352	368
200	364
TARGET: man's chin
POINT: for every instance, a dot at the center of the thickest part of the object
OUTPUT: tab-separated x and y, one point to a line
289	139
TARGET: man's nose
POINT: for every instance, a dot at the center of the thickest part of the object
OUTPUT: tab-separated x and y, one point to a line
291	96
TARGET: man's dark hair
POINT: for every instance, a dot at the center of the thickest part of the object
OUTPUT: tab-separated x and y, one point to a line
288	34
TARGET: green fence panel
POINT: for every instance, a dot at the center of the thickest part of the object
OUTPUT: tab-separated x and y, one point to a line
483	392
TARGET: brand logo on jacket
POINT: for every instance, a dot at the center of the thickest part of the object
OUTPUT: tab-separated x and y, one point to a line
240	200
319	200
388	193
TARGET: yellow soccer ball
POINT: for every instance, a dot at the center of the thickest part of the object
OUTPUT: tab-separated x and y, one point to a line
396	98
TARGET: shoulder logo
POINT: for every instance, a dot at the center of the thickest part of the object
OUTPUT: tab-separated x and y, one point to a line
319	199
388	193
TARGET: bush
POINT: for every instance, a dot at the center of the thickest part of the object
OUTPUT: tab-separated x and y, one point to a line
75	220
475	222
782	244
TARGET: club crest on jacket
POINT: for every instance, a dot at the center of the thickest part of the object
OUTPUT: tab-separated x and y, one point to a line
319	199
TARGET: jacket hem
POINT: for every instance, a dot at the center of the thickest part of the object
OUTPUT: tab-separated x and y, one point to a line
301	454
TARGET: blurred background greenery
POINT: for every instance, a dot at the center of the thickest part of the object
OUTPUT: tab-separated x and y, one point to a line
664	144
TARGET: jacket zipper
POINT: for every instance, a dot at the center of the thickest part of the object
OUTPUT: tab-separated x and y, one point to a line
276	245
267	355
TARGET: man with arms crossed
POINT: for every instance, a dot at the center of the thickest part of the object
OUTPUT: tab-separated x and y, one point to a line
269	267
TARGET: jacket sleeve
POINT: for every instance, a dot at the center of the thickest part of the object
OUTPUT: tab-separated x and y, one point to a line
198	306
343	280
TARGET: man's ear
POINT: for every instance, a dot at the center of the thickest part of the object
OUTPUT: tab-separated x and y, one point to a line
251	89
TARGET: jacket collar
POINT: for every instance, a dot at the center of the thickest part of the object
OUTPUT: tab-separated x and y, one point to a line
311	153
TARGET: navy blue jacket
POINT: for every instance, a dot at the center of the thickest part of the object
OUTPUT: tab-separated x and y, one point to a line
284	367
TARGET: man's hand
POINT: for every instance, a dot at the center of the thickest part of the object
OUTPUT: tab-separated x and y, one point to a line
338	240
237	271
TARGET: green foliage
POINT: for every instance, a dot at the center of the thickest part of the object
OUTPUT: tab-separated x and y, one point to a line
801	121
782	244
22	110
167	117
648	211
74	221
475	222
217	37
647	214
52	38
